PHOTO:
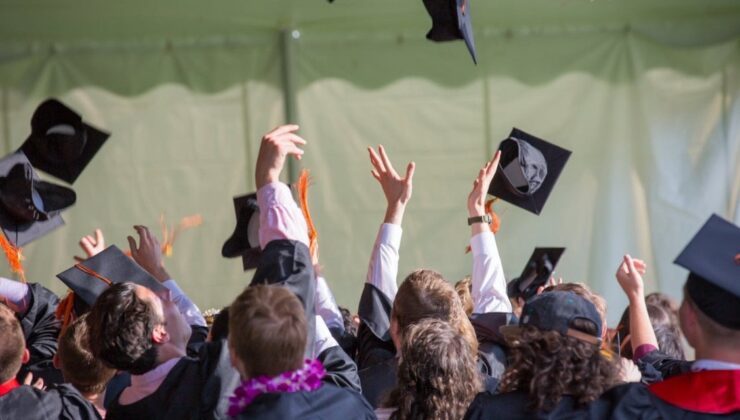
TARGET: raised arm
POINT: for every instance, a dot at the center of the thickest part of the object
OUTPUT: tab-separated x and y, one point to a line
629	275
488	281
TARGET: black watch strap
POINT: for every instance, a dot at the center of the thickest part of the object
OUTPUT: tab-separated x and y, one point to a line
486	218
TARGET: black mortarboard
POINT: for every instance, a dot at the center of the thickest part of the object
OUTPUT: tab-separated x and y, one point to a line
528	170
29	208
536	273
451	21
90	278
713	259
244	242
60	144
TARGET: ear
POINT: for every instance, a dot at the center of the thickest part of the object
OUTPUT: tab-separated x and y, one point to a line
159	335
26	356
55	361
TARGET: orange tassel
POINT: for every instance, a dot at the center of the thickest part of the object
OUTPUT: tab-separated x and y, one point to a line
65	311
14	256
495	220
170	234
313	237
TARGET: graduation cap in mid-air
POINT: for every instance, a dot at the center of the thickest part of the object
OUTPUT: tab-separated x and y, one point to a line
713	260
29	208
61	144
451	21
536	273
244	242
528	170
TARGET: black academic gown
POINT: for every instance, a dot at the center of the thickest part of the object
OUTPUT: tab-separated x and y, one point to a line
376	354
58	402
41	331
689	396
195	388
327	402
656	366
513	406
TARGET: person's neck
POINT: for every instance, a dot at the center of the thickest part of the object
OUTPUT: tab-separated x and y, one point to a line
719	354
96	399
168	352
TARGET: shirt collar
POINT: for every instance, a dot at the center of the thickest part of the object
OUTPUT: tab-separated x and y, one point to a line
8	386
708	364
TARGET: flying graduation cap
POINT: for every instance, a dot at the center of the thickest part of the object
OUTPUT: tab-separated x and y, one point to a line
244	242
451	21
61	144
528	170
713	260
536	273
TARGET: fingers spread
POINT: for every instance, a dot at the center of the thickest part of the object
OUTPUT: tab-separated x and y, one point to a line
375	160
132	244
386	161
410	171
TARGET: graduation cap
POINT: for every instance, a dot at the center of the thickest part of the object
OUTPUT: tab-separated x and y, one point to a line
90	278
244	242
528	170
29	208
451	21
536	273
714	280
60	144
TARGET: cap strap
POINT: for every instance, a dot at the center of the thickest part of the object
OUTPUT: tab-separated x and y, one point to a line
93	273
583	336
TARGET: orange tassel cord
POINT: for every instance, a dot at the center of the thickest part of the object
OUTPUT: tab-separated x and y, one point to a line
495	220
170	234
65	311
14	256
313	237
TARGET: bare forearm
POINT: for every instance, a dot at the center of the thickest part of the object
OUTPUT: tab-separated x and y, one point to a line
641	331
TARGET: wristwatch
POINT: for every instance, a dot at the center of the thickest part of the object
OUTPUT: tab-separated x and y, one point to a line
486	218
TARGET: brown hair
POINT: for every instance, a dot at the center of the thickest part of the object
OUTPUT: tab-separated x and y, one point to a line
267	330
426	294
464	291
715	333
548	365
79	367
12	344
437	376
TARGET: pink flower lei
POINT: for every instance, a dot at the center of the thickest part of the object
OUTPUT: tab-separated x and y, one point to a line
307	378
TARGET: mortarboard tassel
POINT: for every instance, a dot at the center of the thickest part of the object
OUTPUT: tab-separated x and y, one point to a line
313	237
14	257
64	311
495	220
169	235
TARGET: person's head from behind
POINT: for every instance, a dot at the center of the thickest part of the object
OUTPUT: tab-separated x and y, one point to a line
425	294
13	352
220	328
668	335
79	367
585	292
464	289
555	351
437	375
710	319
666	303
267	331
132	329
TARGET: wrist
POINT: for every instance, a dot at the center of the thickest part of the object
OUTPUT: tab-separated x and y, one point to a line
476	211
161	275
394	213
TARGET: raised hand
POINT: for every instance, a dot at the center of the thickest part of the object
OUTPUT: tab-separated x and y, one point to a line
477	197
629	276
397	190
38	384
148	254
91	245
274	148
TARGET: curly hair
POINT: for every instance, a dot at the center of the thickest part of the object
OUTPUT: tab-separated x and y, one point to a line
548	365
437	376
120	326
464	290
426	294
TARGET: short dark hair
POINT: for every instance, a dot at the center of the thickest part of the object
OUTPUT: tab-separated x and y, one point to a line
267	330
12	344
220	326
120	329
79	366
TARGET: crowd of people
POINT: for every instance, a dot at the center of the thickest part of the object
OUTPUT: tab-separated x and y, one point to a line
128	343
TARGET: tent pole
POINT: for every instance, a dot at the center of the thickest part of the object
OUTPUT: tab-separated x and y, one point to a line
5	120
287	41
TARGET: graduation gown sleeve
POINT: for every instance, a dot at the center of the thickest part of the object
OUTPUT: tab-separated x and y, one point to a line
340	369
62	402
40	325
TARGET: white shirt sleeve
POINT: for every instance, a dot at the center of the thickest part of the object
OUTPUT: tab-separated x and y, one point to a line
489	283
324	339
186	307
15	294
326	306
383	268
